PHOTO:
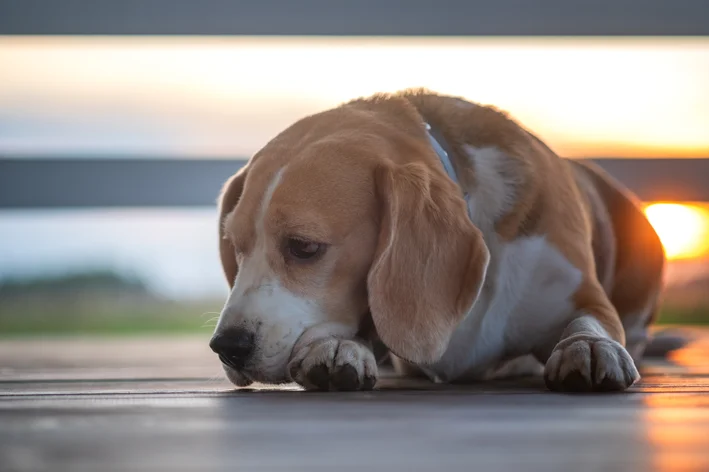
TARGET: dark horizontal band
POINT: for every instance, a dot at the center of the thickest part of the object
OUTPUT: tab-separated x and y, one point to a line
83	183
363	17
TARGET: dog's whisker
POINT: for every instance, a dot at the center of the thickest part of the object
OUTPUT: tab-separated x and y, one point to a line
210	323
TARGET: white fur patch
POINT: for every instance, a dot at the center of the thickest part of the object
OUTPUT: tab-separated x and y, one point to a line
278	318
529	284
268	195
496	189
585	324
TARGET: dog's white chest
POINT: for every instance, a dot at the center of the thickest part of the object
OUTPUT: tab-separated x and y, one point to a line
529	290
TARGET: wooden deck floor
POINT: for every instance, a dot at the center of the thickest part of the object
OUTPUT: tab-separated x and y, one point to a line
161	404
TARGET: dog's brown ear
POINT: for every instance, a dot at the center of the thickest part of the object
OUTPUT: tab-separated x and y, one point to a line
228	198
429	265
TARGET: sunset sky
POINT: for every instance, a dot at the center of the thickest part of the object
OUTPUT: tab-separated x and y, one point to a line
592	97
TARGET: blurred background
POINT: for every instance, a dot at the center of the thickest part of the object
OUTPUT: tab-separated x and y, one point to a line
113	150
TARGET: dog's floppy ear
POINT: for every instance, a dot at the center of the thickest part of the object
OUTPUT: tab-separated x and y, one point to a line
228	198
429	265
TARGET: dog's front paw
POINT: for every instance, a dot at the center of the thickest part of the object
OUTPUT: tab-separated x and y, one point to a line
334	364
587	364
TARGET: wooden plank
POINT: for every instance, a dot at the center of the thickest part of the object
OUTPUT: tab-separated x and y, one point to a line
199	422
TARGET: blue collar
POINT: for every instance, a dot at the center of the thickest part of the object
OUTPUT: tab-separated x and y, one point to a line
447	163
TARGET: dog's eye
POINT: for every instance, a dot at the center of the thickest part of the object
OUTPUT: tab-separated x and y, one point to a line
301	249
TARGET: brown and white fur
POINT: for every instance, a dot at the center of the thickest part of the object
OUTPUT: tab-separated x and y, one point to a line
558	263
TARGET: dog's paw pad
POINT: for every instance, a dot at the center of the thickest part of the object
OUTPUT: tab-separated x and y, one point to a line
346	378
319	377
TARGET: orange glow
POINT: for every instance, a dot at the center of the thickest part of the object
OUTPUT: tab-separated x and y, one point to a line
586	97
683	229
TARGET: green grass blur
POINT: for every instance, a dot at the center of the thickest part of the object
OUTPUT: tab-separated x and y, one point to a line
99	302
103	303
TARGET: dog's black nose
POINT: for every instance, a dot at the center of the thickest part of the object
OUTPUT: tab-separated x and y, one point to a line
234	346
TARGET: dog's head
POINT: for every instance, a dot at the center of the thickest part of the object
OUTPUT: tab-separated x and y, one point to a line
344	214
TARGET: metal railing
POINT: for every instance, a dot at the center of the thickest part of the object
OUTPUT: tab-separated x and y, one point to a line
362	17
77	183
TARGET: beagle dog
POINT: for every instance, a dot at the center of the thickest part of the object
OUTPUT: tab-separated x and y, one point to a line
442	229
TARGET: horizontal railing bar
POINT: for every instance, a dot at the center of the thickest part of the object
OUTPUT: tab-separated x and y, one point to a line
364	17
84	183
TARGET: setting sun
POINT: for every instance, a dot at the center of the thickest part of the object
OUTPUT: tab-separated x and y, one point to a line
683	229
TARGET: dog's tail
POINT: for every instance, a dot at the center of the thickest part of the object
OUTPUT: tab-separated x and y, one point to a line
666	341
